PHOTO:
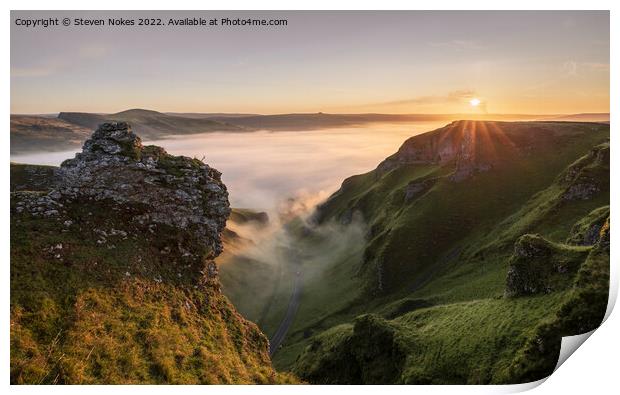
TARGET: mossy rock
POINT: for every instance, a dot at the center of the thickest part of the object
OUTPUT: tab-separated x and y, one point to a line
367	352
583	311
540	266
587	230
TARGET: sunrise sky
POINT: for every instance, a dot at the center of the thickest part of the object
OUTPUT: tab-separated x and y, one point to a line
391	62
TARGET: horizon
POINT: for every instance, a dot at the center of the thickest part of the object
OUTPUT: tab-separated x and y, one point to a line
178	113
405	62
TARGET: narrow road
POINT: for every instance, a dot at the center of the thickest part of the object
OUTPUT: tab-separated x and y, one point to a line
278	337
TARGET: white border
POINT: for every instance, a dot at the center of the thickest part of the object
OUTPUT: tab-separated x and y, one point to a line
593	368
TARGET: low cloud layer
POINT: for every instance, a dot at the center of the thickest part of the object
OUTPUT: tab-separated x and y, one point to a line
265	170
456	96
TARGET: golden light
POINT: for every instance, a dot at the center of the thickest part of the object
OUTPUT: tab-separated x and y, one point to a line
474	102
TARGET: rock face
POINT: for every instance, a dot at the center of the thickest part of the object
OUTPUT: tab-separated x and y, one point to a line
415	189
112	273
458	142
173	198
539	266
370	352
172	190
587	231
582	179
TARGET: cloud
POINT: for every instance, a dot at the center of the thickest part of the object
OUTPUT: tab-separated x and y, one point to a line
93	52
459	45
55	65
595	66
569	68
31	71
450	97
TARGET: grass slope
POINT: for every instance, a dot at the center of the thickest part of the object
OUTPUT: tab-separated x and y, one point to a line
438	252
94	300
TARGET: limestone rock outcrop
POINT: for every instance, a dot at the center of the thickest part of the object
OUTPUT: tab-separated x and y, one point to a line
159	189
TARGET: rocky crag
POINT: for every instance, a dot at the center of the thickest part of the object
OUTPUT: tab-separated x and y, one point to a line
113	277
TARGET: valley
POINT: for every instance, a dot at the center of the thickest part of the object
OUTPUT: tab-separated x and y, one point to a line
66	130
436	238
310	197
447	263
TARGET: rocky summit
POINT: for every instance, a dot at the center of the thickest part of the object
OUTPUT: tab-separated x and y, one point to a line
114	166
113	278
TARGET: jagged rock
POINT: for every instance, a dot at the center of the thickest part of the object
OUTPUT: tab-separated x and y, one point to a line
586	232
580	192
36	204
581	179
459	142
415	189
119	255
540	266
113	166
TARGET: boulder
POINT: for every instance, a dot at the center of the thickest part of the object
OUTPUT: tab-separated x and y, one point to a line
114	167
538	266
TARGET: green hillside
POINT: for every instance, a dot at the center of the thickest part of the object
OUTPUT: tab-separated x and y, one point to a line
451	298
462	258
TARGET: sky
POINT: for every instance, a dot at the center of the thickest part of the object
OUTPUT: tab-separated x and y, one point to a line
519	62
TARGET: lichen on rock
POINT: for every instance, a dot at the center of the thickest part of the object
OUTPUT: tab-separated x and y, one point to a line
178	201
173	190
459	142
539	266
113	279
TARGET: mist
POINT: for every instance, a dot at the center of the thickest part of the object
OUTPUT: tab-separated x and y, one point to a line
263	169
286	174
264	265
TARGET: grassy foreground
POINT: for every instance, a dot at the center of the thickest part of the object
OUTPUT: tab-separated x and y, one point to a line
97	298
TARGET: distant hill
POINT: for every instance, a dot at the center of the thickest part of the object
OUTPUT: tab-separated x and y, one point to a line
583	117
198	115
311	121
151	124
37	133
69	129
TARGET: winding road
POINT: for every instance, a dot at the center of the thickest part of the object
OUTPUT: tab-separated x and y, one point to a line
278	337
276	340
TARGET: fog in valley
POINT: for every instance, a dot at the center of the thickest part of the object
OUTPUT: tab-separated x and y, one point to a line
263	169
286	174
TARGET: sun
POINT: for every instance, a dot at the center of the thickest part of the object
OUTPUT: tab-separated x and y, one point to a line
474	102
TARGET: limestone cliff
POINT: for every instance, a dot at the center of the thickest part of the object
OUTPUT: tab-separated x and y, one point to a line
113	278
